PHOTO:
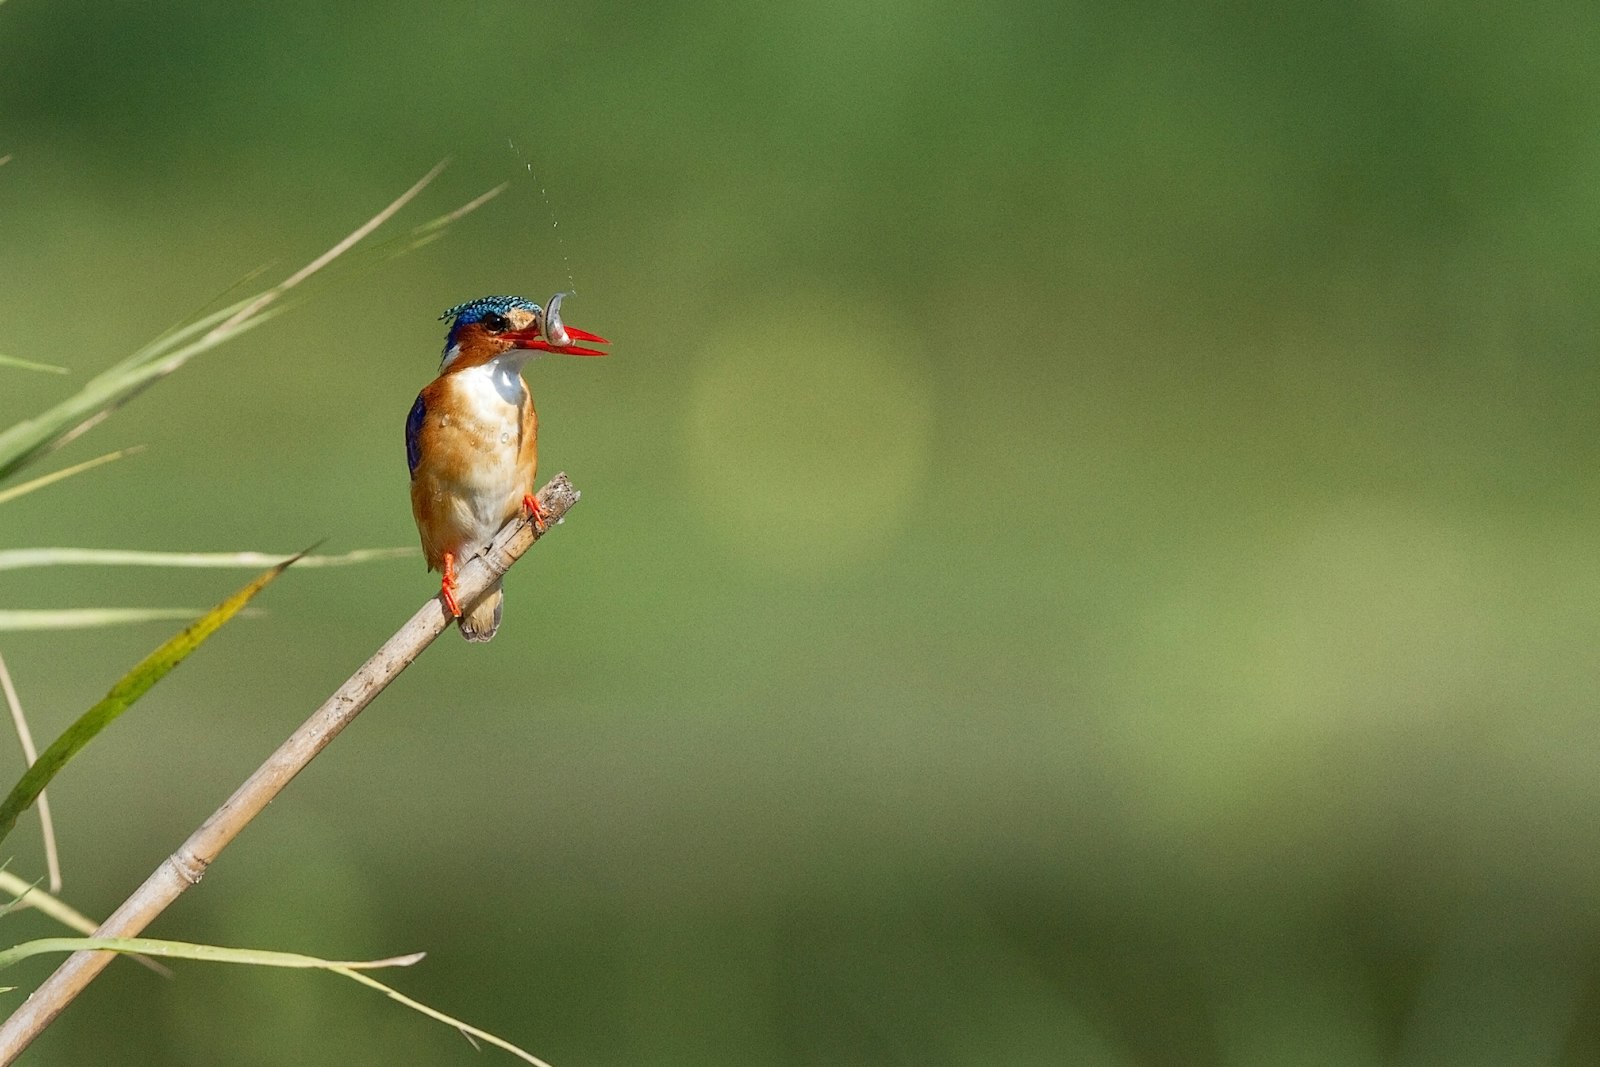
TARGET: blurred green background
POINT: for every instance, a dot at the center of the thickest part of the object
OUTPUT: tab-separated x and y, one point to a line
1088	550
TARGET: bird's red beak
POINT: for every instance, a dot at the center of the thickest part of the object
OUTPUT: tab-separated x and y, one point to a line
532	338
552	335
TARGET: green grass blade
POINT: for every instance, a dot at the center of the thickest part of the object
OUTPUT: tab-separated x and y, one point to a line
184	950
183	330
32	619
24	558
56	476
28	364
361	260
103	394
29	439
7	880
200	319
130	688
28	895
461	212
432	1013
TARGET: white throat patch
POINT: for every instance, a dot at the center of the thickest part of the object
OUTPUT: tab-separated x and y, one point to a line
498	381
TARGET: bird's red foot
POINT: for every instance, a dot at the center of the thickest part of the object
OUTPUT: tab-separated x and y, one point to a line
447	587
530	504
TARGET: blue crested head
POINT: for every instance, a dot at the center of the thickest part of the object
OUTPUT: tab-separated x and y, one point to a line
473	310
485	307
492	326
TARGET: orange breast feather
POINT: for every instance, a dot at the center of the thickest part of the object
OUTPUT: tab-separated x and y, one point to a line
472	443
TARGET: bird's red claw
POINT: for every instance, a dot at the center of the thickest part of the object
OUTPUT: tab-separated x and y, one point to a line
447	586
530	505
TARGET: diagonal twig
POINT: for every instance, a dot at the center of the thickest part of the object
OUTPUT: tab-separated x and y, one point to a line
188	864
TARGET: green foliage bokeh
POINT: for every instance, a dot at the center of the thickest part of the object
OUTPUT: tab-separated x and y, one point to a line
1087	550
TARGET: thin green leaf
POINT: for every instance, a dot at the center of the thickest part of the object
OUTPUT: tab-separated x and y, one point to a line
350	241
29	895
28	440
28	364
362	259
31	438
360	262
7	879
470	1031
67	472
130	688
197	319
461	212
21	558
184	950
149	946
29	619
183	330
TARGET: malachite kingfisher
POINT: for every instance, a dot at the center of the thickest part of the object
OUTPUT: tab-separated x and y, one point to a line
472	439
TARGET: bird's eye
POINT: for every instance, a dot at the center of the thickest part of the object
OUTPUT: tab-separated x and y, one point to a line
495	322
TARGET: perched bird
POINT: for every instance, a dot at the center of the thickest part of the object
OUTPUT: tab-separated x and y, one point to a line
472	439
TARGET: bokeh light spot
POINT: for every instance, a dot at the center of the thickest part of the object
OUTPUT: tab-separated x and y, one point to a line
808	435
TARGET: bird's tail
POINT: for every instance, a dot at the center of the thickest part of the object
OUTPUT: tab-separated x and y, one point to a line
481	622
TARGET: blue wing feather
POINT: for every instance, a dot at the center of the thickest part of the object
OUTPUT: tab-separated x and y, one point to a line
419	414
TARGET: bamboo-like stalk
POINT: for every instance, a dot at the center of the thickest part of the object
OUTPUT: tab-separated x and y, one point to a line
188	864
